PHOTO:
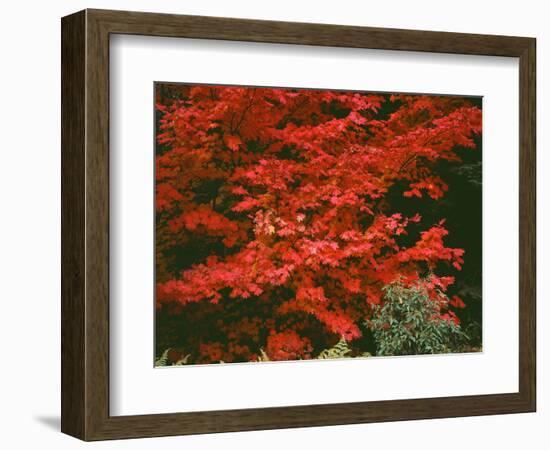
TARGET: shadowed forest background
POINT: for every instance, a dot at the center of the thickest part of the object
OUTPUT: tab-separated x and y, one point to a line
301	224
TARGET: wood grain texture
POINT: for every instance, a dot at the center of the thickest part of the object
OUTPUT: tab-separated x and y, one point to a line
97	225
73	227
201	27
85	224
527	224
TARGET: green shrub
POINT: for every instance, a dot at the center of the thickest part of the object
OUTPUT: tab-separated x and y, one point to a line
410	323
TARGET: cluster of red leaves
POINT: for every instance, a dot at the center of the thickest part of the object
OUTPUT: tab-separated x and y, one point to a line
288	187
287	345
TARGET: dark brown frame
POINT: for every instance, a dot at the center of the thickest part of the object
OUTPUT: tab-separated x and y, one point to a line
85	224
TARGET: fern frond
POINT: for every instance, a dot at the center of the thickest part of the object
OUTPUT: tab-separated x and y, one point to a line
263	356
162	360
183	360
340	350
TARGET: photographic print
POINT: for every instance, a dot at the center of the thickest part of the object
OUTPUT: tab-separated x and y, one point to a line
300	224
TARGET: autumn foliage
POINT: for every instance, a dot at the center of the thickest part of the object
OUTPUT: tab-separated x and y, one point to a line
277	224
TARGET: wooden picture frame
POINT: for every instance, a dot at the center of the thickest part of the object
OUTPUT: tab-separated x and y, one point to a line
85	224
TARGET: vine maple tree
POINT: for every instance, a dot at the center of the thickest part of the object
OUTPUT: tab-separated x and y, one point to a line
274	229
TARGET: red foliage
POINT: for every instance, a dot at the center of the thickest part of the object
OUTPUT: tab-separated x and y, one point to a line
286	193
287	345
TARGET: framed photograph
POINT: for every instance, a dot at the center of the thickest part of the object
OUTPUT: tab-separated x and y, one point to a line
273	225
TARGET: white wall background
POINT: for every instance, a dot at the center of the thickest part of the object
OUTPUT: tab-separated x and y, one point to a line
30	223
